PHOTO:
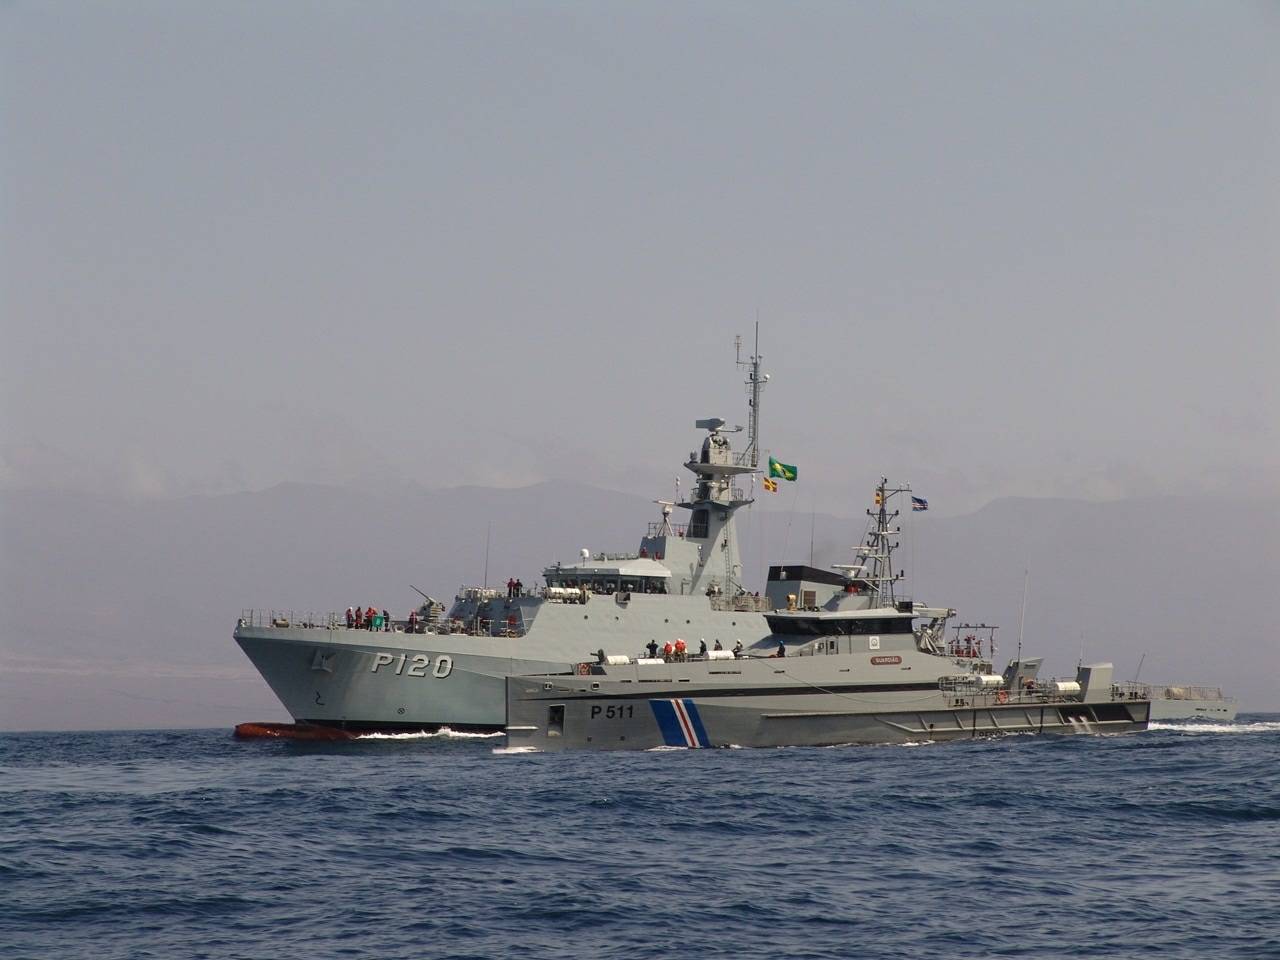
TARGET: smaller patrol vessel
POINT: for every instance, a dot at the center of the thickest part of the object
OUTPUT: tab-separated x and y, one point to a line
1189	701
848	660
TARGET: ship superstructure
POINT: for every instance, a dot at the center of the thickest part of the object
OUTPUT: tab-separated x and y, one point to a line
447	667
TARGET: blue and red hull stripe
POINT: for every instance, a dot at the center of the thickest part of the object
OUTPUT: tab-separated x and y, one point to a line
680	723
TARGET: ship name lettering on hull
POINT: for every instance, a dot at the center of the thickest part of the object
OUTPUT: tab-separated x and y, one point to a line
627	711
403	665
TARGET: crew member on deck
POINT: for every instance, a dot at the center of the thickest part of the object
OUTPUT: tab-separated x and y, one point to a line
782	649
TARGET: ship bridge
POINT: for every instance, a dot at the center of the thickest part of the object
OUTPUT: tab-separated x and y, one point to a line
607	573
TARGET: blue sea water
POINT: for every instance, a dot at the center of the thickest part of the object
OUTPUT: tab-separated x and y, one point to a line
191	844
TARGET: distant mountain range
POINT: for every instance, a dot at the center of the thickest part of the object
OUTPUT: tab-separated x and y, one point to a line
119	613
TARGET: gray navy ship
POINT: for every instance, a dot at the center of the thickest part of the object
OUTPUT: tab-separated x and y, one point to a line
1185	701
449	667
847	660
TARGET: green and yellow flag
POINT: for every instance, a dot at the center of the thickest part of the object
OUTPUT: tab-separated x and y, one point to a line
779	469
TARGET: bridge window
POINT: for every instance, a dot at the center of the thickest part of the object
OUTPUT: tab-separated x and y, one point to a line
698	525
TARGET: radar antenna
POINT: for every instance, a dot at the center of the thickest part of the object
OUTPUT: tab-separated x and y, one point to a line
667	506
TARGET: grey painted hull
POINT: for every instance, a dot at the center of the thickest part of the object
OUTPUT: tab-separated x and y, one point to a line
1224	709
358	679
782	703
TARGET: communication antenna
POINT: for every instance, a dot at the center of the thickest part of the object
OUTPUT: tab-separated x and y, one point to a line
488	531
1141	660
813	519
1022	618
755	382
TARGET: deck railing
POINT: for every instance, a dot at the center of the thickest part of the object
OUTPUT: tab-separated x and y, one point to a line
677	529
1170	691
292	619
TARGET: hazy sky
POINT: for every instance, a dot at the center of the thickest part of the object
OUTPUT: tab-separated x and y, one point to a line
995	248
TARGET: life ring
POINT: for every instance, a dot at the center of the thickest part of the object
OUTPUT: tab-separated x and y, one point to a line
1002	696
584	669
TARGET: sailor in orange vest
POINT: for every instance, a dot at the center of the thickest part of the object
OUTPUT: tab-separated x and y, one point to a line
680	648
666	651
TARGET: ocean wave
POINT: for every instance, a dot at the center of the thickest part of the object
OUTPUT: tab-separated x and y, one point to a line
444	733
1199	726
133	845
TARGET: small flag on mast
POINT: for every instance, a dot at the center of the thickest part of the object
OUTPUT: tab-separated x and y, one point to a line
918	504
771	485
785	471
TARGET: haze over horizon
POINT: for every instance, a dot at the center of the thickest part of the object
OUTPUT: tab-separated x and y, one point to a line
995	249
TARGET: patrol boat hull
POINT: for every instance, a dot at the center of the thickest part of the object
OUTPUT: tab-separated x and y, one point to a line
772	703
1192	703
374	680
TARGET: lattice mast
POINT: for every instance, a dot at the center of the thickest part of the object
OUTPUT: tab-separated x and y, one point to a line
876	554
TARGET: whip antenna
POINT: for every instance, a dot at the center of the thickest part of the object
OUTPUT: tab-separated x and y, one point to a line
1022	617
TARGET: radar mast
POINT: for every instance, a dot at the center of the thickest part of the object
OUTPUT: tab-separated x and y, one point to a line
750	456
876	554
